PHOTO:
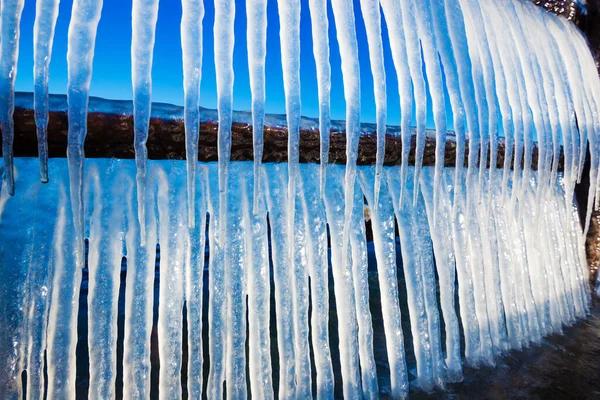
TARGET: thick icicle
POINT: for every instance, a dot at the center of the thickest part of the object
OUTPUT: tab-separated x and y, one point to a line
448	58
300	298
143	19
9	54
372	16
343	11
259	291
360	279
62	319
445	264
139	295
466	296
413	53
46	13
217	324
458	38
85	16
235	289
256	12
316	224
414	275
289	33
393	16
194	286
223	47
191	46
343	283
382	223
275	177
172	234
104	265
320	27
436	90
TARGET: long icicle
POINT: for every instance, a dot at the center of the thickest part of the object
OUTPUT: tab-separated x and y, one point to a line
9	54
436	90
372	17
144	14
104	265
223	31
80	55
194	287
138	300
46	13
449	63
415	64
320	27
393	16
316	224
382	223
256	11
191	46
343	12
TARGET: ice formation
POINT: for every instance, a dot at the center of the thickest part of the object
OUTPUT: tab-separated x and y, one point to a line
273	248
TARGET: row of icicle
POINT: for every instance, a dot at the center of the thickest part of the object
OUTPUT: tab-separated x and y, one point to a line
510	69
504	281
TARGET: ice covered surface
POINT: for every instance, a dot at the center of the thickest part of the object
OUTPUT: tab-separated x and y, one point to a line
517	281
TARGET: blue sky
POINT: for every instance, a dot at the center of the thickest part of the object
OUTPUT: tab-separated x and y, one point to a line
112	64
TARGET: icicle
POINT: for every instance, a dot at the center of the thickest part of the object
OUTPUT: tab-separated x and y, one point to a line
458	38
534	93
9	54
507	276
104	265
372	17
139	295
448	58
235	290
360	279
217	324
343	282
256	17
343	12
191	46
436	89
316	227
414	275
289	33
489	122
62	320
480	69
445	265
382	223
143	19
223	47
259	292
393	16
194	282
491	269
46	13
275	177
320	34
82	37
299	278
466	296
509	97
413	53
172	234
